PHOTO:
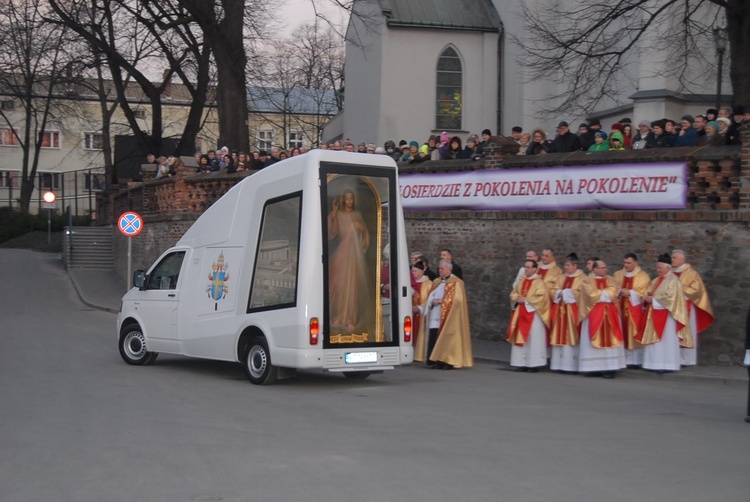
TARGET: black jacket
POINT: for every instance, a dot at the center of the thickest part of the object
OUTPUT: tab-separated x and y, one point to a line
567	142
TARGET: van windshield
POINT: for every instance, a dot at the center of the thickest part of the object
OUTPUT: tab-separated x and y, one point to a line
357	250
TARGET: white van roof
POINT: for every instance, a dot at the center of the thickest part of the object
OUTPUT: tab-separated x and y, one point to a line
216	224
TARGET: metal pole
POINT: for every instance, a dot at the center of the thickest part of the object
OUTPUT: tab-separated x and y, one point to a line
130	249
718	84
49	227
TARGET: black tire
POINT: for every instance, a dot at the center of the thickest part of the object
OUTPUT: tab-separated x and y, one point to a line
133	347
357	375
257	362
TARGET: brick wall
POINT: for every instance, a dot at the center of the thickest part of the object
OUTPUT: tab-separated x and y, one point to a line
490	245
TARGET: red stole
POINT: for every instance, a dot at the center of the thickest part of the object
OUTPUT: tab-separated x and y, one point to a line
542	272
525	318
658	317
631	315
702	318
605	329
560	315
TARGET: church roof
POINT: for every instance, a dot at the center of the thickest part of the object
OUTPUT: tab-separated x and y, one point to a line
472	15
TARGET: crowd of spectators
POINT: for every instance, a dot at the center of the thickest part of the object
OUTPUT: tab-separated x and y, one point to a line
715	128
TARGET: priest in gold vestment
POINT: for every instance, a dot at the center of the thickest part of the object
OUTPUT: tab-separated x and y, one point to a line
665	323
565	327
548	270
633	285
601	350
698	304
527	332
445	340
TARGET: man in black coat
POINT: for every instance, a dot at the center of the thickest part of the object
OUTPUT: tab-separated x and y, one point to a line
565	141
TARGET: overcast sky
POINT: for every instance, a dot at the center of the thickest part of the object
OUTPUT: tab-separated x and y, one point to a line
296	12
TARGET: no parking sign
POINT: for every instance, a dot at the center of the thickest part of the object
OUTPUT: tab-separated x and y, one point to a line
130	224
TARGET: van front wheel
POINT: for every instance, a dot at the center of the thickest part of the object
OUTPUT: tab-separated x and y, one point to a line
257	362
133	347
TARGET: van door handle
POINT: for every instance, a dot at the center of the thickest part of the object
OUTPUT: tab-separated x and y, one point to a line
171	295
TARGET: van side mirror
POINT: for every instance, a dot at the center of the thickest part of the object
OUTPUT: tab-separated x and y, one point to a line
139	279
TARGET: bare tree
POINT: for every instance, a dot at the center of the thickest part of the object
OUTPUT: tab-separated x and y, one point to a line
298	81
31	67
587	46
118	30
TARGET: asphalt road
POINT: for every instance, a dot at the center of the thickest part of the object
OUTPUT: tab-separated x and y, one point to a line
78	424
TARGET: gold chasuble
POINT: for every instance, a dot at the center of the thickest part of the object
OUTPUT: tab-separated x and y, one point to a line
605	327
549	276
639	281
453	344
535	292
666	290
418	298
692	286
565	326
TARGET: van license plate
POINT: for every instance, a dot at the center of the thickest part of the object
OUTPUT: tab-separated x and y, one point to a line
360	357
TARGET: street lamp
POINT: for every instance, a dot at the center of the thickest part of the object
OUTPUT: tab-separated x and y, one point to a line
720	39
49	199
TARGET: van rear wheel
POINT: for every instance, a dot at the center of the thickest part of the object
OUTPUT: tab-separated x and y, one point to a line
133	347
257	362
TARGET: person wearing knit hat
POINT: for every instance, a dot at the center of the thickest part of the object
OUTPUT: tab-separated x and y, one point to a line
666	320
724	123
600	143
662	139
712	136
688	134
644	138
414	154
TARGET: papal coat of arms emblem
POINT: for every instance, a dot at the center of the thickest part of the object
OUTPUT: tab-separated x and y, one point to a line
218	289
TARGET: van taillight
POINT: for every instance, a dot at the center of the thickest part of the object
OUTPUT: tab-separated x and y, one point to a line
314	331
407	329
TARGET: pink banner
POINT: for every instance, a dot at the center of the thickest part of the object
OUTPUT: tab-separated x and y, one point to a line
660	185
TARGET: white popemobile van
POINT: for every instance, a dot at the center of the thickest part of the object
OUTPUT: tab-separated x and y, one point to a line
302	265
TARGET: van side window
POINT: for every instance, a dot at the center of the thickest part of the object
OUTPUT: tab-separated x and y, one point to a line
275	274
166	273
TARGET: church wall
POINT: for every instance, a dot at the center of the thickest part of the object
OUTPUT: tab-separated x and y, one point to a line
408	99
365	63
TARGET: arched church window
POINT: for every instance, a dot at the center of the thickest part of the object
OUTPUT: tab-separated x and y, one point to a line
449	90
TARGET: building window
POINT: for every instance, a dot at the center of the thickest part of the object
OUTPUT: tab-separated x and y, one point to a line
49	181
8	138
94	182
449	90
296	139
139	113
7	106
51	139
265	140
93	141
9	179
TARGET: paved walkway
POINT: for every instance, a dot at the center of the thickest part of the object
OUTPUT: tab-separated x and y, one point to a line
103	290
